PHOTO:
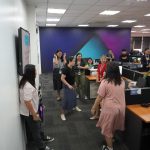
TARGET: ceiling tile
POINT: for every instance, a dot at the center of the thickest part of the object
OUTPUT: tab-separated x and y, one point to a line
87	11
60	1
89	2
58	5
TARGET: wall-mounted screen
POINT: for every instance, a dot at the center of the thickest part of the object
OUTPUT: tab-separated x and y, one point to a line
24	49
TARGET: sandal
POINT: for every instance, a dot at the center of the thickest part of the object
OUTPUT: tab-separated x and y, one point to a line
58	98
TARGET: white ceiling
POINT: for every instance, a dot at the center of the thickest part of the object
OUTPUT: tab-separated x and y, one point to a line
87	12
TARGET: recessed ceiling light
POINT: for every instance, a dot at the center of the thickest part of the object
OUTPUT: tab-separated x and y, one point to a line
83	25
112	25
56	11
52	19
128	21
139	26
147	15
109	12
50	24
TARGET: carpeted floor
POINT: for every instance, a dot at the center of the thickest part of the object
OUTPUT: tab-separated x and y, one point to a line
77	132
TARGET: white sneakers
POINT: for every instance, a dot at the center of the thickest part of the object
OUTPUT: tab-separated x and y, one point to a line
48	148
63	118
85	97
94	117
77	96
77	109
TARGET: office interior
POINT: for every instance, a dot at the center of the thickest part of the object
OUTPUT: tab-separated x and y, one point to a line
128	29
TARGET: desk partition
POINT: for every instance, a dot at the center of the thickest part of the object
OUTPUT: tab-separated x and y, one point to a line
128	73
131	74
135	75
91	87
142	96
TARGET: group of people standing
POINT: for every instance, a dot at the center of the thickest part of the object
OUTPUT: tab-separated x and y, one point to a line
108	108
144	57
110	100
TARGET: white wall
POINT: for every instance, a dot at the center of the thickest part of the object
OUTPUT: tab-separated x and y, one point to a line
31	12
12	16
39	51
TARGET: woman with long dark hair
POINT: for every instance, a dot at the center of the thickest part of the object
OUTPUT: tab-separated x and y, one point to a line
68	78
59	61
111	96
29	103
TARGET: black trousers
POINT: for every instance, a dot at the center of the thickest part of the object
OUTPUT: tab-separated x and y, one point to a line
33	131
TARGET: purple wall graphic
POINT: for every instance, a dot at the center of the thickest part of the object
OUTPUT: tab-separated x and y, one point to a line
91	42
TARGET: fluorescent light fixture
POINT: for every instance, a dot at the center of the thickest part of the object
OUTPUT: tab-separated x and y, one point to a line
48	24
112	25
147	15
83	25
133	31
128	21
109	12
141	0
139	26
145	29
136	49
145	32
56	11
52	19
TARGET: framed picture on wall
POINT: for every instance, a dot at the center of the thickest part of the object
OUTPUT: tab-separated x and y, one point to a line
23	49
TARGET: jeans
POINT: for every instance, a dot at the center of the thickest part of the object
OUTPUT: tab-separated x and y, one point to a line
33	128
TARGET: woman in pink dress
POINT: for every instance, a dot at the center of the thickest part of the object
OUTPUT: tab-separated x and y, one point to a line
111	96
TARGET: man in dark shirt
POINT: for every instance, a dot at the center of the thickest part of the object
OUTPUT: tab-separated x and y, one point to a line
124	57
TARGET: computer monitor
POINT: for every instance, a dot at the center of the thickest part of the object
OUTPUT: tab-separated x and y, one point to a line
128	73
23	49
137	75
139	98
96	61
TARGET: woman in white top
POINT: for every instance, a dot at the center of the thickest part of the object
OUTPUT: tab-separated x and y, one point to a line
29	102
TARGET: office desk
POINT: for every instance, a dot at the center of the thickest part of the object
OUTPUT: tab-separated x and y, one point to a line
127	79
91	87
146	73
137	131
91	78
